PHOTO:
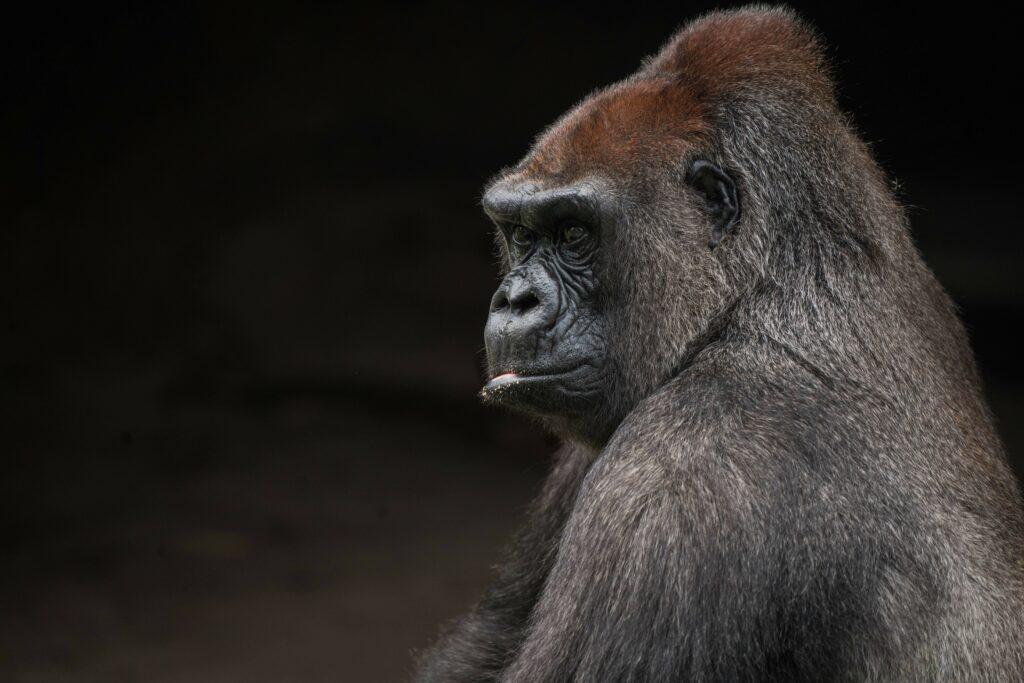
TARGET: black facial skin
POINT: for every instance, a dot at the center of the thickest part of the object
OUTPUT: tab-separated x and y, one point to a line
545	335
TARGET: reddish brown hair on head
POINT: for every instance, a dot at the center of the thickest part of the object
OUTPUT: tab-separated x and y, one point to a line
724	50
668	104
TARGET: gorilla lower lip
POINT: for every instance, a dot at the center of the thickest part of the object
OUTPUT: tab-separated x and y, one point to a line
501	380
549	392
509	378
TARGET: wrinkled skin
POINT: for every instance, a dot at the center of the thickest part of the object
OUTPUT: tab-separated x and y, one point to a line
551	319
545	337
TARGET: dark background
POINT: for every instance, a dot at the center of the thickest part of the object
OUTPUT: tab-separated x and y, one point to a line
244	279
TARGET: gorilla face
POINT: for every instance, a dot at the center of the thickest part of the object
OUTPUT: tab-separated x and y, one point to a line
546	335
585	323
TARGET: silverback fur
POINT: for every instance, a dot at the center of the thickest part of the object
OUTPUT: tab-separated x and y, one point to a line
800	479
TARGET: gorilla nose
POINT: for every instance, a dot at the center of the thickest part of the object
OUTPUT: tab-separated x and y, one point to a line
519	312
517	299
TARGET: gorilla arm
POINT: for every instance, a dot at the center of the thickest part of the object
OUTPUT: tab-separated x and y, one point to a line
709	557
479	645
623	595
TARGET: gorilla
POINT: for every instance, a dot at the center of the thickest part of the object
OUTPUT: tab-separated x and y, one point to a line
777	461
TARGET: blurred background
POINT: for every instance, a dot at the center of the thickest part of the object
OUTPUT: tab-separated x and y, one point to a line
244	279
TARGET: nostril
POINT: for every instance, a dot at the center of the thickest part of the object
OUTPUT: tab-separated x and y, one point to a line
523	302
517	297
499	301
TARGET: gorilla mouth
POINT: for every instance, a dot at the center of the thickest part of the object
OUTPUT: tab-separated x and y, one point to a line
507	378
545	392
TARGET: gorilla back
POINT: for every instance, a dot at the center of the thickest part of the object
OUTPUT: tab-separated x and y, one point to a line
777	459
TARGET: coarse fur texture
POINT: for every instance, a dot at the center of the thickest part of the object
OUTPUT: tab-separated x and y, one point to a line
788	470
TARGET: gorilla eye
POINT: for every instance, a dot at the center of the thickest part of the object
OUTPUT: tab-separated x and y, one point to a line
573	233
522	237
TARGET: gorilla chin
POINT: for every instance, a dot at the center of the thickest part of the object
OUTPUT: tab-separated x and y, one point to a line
551	393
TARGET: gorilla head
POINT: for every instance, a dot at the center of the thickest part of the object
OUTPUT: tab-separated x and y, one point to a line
610	233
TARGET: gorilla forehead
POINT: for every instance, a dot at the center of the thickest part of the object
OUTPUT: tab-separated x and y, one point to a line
617	131
669	106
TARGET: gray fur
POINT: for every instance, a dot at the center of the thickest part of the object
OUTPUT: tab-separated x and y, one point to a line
802	480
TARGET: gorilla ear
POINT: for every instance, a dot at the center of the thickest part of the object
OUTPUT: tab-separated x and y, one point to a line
719	193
